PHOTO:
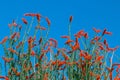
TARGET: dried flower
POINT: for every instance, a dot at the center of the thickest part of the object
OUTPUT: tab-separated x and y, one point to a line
24	21
48	21
71	17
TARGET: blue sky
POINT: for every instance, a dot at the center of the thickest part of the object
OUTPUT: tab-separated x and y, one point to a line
86	14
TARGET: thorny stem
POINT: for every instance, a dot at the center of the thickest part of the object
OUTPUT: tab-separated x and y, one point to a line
34	64
27	30
69	30
83	43
111	59
104	63
47	32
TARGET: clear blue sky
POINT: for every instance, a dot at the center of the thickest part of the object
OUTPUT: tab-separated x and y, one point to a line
86	14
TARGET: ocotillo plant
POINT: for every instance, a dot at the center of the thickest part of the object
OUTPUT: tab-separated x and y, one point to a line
36	57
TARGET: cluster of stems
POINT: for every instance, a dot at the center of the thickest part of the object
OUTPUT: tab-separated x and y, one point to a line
35	56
